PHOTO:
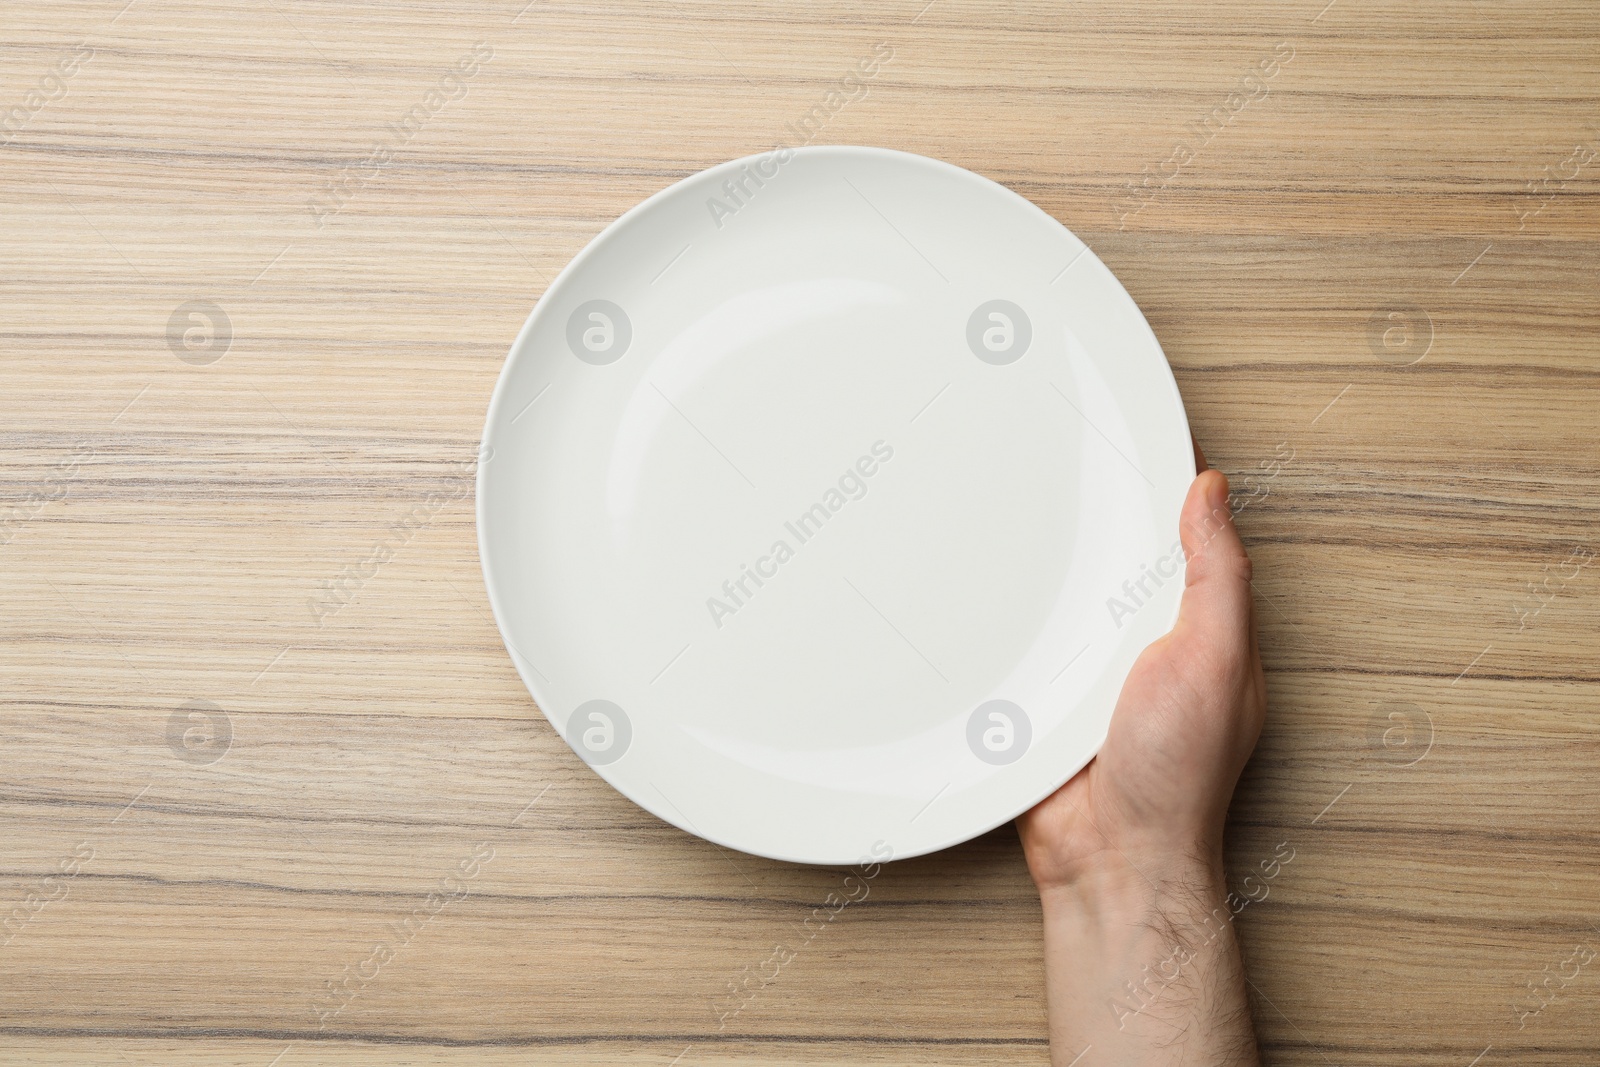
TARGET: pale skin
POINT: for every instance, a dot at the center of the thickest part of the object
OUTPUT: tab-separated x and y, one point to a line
1142	964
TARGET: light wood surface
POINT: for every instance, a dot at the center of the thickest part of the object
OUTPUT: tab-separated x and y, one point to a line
169	523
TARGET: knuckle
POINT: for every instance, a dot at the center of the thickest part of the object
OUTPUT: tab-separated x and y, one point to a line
1226	561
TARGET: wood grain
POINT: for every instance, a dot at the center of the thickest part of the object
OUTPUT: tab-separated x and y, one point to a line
166	524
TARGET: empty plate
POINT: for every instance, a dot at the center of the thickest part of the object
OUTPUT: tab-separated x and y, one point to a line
829	496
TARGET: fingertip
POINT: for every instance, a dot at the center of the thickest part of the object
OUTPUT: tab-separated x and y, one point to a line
1213	489
1205	510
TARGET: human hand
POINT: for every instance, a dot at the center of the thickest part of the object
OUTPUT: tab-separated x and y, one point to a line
1187	719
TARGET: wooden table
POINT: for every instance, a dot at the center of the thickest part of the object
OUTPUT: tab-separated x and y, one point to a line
1374	270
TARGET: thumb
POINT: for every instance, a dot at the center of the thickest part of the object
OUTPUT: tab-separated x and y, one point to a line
1216	594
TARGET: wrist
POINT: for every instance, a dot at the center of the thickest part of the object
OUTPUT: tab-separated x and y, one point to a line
1115	889
1132	869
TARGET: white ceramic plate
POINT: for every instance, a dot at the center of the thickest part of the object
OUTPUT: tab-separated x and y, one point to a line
828	497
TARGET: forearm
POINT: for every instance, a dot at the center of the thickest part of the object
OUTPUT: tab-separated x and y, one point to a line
1142	968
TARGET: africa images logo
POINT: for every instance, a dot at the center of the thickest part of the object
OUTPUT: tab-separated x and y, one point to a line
852	485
